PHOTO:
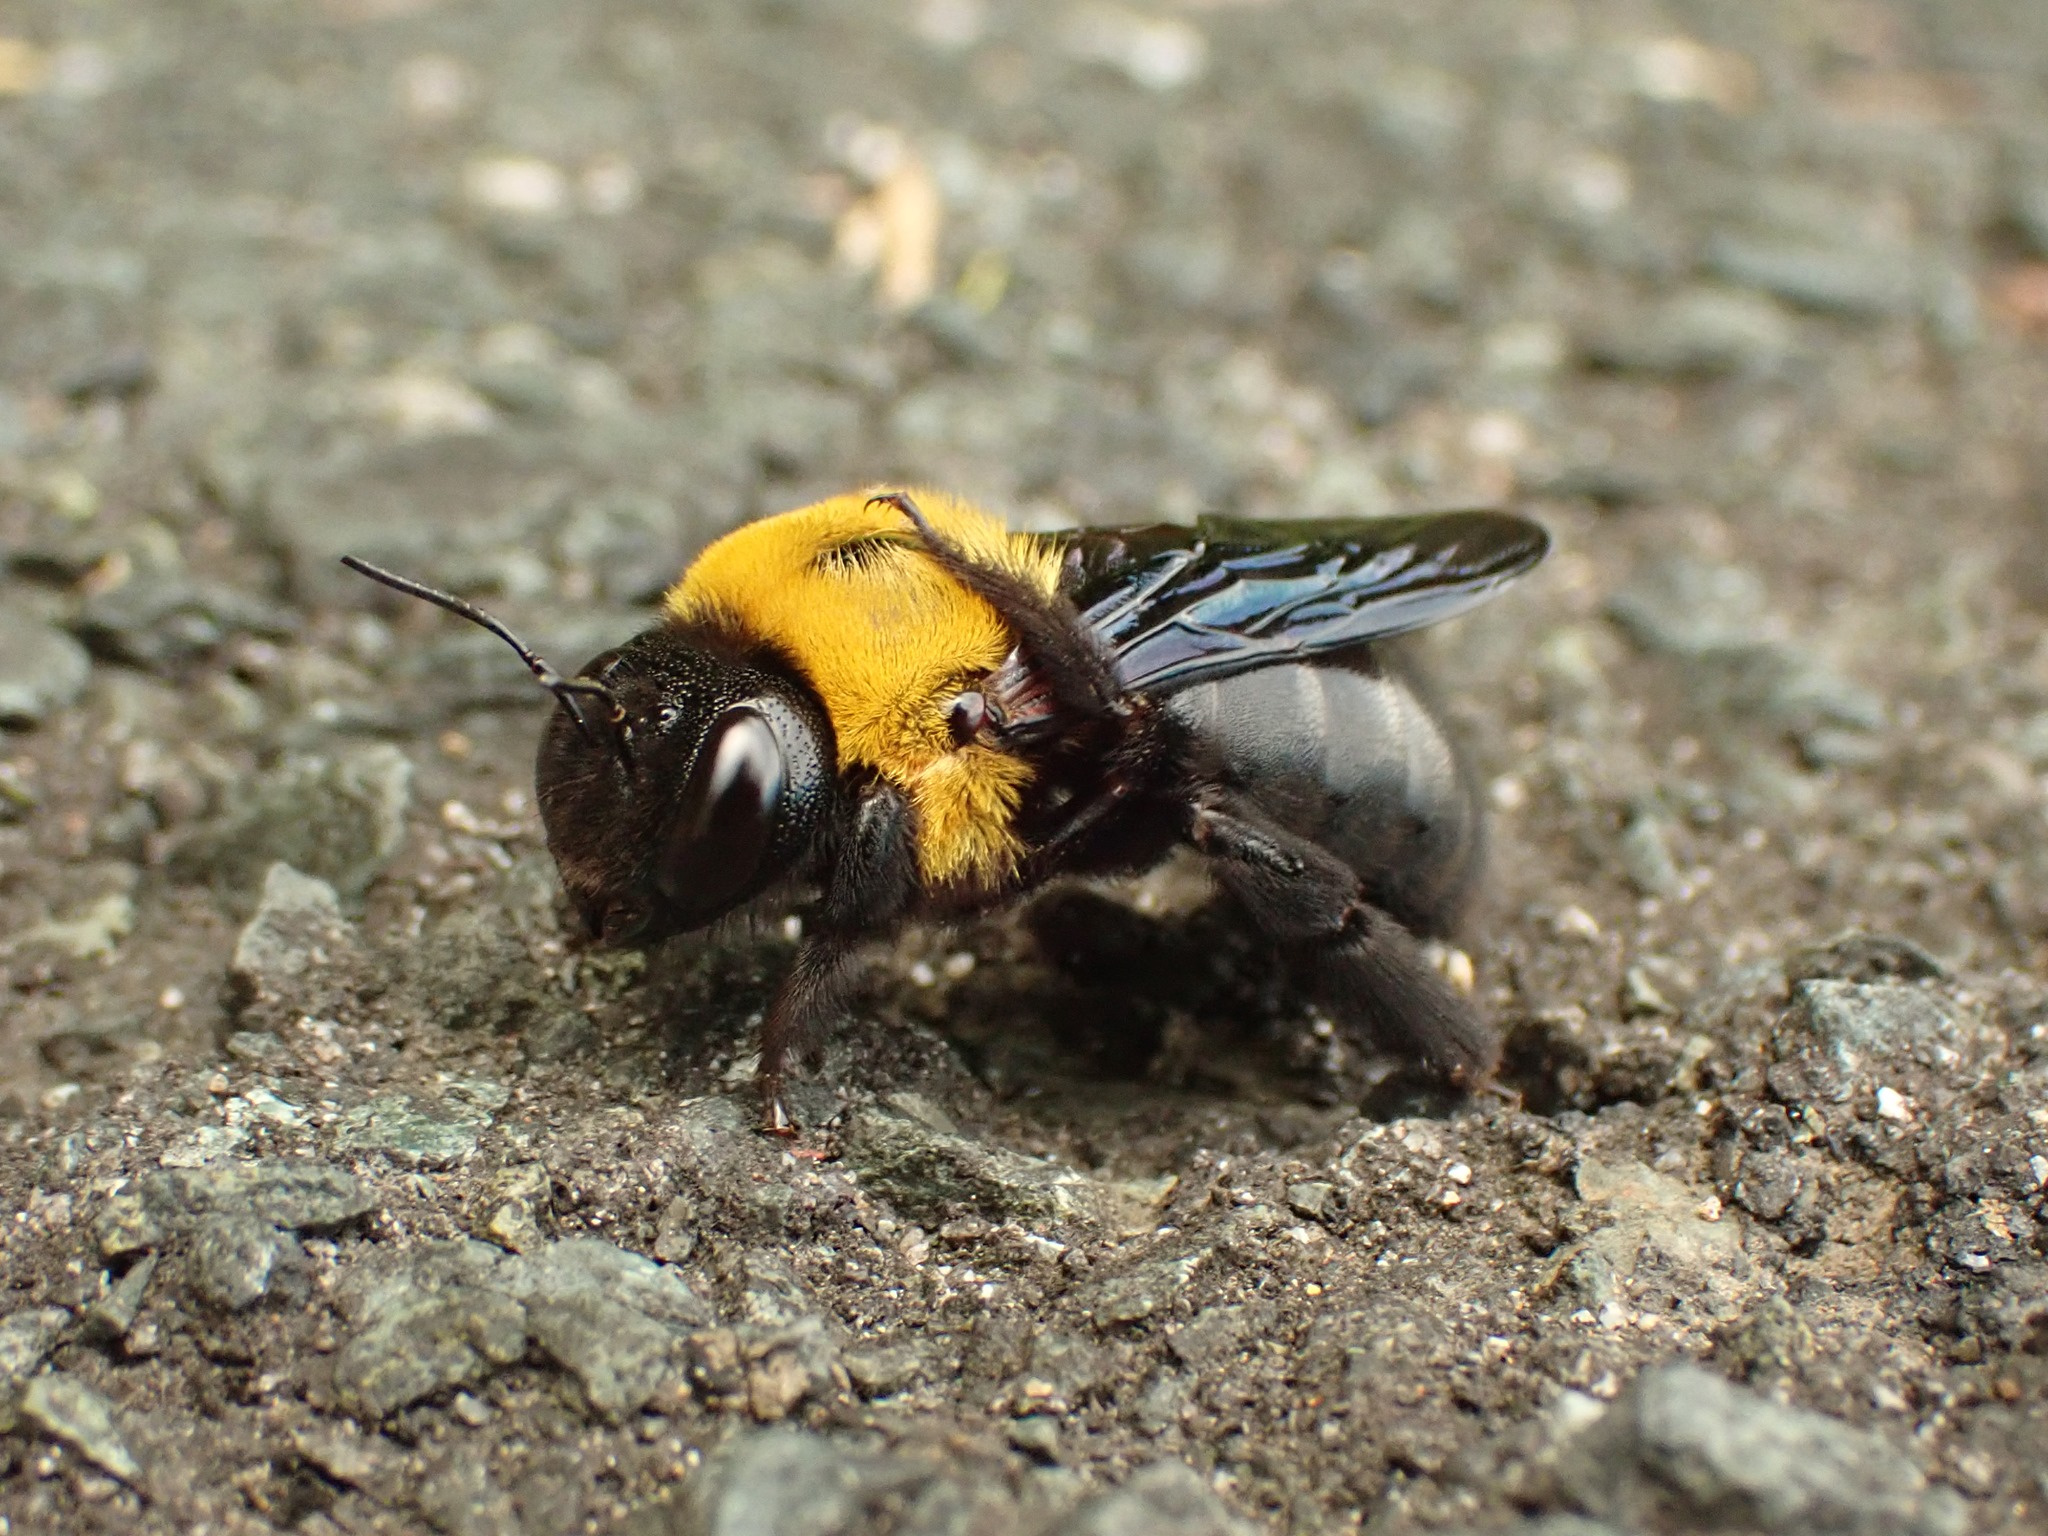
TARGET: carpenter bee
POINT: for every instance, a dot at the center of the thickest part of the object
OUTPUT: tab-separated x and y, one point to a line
892	700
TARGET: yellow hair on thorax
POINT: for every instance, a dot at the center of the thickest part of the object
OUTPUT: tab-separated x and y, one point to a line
845	589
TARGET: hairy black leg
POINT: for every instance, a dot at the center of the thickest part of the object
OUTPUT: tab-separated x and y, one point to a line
813	991
1077	671
873	876
1363	963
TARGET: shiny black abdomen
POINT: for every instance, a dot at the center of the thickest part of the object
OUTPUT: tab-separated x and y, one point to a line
1346	751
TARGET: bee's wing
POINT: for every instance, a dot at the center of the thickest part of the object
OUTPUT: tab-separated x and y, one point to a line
1176	605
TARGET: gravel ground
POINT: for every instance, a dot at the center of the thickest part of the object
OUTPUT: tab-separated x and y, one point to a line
349	1197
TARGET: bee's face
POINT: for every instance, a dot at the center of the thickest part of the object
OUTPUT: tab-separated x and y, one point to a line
711	790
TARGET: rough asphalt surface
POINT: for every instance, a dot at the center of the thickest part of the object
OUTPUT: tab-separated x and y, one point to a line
346	1195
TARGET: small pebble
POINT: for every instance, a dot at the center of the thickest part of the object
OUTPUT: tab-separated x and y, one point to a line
67	1409
1158	53
522	185
1576	922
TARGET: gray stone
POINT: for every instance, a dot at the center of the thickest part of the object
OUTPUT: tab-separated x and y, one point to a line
535	389
1075	1365
66	1409
1702	332
1164	1499
1859	281
971	1506
676	1238
1160	1406
109	1318
1860	1022
470	669
347	1456
1769	1343
772	1294
42	669
413	1132
1799	690
297	1194
931	1174
1187	269
339	818
1698	610
17	795
89	933
1646	857
782	1482
2031	741
26	1339
2028	201
2009	1308
1606	482
1151	1288
631	545
122	373
459	1497
883	1370
1863	957
448	1314
234	1258
618	1355
1948	299
590	1266
160	618
1381	386
610	1318
1822	747
1655	985
1683	1449
424	1343
473	971
1037	1435
1771	1183
1691	608
1312	1200
295	940
1422	256
259	1047
1216	1334
962	332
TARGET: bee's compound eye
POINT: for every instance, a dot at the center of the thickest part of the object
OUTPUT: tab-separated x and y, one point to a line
966	716
725	816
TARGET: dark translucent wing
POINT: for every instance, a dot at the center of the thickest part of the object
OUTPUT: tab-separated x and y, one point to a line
1177	605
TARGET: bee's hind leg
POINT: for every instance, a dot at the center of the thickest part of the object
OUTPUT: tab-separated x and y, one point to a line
1364	964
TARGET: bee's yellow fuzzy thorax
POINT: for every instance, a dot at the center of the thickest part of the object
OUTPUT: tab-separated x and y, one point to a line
886	639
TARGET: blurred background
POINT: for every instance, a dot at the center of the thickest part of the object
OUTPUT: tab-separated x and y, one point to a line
1747	301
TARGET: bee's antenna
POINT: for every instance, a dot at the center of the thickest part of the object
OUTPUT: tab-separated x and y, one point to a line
569	690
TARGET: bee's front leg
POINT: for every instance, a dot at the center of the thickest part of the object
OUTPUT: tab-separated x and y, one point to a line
869	883
810	996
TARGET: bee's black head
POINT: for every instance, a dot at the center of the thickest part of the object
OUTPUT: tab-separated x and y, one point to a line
678	777
699	780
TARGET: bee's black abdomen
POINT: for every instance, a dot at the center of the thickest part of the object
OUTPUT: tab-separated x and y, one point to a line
1349	755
